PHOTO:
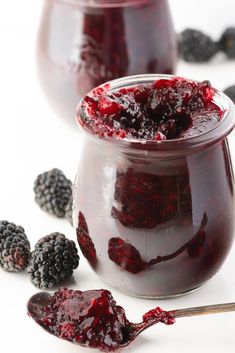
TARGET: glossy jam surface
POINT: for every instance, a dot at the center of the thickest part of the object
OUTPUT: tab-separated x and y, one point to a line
167	109
93	319
80	47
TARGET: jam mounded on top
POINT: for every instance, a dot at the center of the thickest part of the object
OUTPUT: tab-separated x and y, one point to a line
167	109
93	319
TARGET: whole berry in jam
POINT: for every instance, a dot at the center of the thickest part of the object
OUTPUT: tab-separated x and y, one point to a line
230	91
128	258
14	247
84	240
53	260
163	196
167	109
53	192
227	42
125	255
195	46
93	319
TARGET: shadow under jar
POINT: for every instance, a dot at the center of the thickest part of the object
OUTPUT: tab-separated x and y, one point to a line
82	44
155	218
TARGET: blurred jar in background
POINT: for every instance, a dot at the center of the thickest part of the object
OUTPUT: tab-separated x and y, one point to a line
82	44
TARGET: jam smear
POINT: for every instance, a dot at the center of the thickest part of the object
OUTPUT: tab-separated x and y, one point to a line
129	259
167	109
84	240
93	319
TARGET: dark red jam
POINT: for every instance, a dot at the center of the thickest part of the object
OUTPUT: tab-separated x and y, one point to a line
167	109
93	319
86	43
85	242
158	204
128	257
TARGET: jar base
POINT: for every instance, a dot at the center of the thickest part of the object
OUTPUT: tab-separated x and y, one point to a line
157	296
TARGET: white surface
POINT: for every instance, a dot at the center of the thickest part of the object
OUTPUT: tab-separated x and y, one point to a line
33	139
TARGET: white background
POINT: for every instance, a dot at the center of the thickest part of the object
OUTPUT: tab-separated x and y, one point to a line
33	139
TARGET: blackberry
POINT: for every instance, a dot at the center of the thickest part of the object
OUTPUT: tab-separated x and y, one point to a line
14	247
53	192
196	46
53	260
227	42
230	91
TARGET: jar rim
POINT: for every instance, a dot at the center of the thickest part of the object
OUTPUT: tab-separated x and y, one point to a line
172	146
105	3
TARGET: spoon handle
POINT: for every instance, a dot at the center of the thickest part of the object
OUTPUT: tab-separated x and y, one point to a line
203	310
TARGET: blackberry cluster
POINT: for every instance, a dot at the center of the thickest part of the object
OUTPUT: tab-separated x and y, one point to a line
196	46
53	260
14	247
53	192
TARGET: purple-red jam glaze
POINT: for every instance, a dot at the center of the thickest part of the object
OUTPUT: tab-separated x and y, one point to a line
160	215
167	109
93	319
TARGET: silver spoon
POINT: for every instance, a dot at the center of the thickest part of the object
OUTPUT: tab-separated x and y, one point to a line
40	300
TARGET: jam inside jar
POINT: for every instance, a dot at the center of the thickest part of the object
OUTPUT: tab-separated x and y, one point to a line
82	44
155	216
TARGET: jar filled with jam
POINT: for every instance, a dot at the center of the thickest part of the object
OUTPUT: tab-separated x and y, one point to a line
83	43
154	196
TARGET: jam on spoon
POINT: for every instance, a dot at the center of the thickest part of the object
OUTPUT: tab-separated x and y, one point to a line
93	319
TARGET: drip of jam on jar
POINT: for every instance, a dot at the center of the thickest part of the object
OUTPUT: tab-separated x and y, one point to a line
167	109
127	257
84	240
93	319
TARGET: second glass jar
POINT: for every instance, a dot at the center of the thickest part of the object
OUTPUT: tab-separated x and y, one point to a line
82	44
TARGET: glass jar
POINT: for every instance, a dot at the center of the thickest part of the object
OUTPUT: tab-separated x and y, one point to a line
156	219
82	44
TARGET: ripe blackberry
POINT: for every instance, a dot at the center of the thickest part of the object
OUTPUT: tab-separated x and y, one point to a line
227	42
14	247
53	192
230	91
53	260
196	46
